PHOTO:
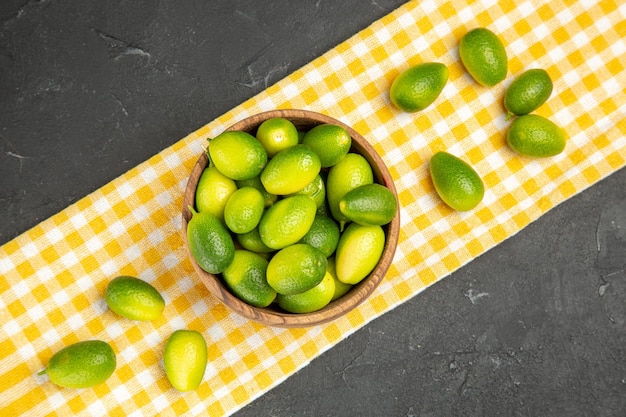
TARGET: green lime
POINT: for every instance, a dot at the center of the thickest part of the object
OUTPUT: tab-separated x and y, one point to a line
534	135
359	250
134	298
330	142
244	209
323	234
296	269
237	154
291	170
311	300
316	190
527	92
352	171
418	87
277	134
456	182
255	182
185	359
287	221
324	209
82	364
245	276
253	242
369	205
210	242
341	288
213	191
484	56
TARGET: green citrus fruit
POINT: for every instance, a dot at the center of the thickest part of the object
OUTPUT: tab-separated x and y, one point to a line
311	300
484	56
341	288
134	298
316	190
210	242
237	154
244	210
245	276
185	359
252	242
527	92
287	221
268	198
369	205
359	250
277	134
82	364
351	172
323	234
296	269
534	135
418	87
456	182
291	170
330	142
213	191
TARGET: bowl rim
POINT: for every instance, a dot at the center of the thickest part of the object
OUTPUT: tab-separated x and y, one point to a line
360	291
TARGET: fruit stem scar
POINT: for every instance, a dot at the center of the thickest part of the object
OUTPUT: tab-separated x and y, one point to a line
208	155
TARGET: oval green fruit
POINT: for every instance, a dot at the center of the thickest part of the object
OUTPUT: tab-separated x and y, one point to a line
323	234
369	205
244	210
277	134
290	170
535	136
341	288
311	300
210	242
330	142
185	359
255	182
296	269
359	250
213	191
246	277
287	221
456	182
253	242
419	86
82	364
351	172
134	298
484	56
316	190
527	92
237	154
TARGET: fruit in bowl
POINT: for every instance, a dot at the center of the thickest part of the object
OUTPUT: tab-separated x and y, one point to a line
290	218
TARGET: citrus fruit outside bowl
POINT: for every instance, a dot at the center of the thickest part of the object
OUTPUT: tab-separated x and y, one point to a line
273	315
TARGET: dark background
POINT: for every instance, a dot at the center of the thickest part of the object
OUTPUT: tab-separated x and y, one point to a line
534	327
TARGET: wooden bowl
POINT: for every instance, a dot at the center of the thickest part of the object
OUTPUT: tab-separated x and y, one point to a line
273	315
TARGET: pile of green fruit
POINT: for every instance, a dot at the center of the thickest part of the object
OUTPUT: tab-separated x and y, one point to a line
288	217
484	57
91	362
295	218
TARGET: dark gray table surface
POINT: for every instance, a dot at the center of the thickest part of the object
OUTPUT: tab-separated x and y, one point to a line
534	327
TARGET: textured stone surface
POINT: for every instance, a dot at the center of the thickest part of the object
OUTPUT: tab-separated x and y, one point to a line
536	326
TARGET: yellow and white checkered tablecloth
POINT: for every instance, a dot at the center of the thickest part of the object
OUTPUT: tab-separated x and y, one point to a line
54	275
